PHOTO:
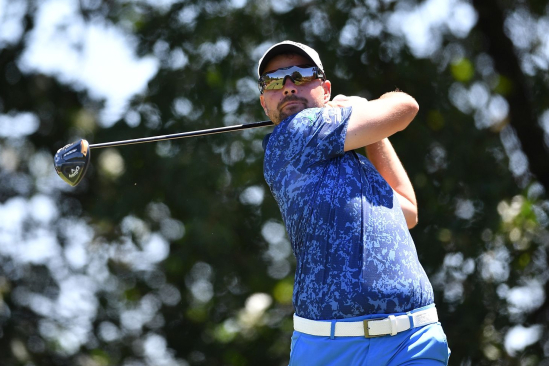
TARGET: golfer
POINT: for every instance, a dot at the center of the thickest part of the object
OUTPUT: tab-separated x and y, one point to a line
361	297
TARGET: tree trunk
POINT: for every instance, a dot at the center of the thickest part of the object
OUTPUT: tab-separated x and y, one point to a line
522	114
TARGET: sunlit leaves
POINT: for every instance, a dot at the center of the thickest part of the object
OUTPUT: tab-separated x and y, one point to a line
462	70
504	86
283	291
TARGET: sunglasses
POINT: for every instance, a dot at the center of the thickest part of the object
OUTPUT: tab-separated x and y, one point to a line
274	80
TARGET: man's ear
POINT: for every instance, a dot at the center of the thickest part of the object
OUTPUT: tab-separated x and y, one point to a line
327	85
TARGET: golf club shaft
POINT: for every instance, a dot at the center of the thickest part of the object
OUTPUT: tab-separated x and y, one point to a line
182	135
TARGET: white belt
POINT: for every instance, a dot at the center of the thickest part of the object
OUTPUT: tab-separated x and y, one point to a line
368	328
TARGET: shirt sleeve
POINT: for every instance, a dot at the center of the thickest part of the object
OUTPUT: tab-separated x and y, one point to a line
313	135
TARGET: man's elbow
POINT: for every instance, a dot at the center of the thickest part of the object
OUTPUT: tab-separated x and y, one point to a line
411	108
412	221
411	216
408	111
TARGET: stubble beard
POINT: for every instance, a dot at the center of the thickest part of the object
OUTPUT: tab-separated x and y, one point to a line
279	115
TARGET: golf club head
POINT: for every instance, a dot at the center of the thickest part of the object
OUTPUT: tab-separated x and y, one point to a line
71	161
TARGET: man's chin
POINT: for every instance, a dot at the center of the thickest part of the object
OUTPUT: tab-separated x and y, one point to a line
291	110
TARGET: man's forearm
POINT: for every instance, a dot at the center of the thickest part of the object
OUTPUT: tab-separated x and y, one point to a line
384	158
374	120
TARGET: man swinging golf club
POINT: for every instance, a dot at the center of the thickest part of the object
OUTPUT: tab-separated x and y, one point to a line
361	297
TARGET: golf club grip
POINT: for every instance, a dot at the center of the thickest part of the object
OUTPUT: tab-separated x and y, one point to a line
182	135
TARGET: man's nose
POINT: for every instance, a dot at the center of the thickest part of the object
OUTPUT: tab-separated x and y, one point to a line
289	86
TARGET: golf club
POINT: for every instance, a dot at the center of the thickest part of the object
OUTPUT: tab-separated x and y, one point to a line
71	161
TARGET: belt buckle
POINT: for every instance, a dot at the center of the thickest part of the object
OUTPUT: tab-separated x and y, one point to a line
367	330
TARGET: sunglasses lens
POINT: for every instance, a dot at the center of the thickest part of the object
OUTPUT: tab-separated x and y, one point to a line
300	79
299	75
274	84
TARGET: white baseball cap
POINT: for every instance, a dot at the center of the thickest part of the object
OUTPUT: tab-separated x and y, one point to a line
289	47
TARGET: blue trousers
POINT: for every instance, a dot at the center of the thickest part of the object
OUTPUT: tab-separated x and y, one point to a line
425	345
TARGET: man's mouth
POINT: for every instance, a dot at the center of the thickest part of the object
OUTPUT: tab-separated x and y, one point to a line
289	104
292	101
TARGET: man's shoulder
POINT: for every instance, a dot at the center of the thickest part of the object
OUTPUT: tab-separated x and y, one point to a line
308	114
311	116
315	132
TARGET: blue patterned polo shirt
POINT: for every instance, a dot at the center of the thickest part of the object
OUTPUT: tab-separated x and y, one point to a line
354	253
